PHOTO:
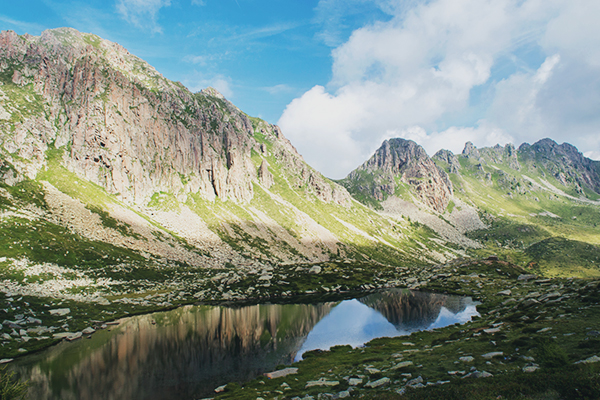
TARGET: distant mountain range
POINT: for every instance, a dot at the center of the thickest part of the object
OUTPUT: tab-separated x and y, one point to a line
94	142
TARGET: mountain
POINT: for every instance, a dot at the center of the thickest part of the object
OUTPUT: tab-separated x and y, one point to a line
116	176
494	200
400	165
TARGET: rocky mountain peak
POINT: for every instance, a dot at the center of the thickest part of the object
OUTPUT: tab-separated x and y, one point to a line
565	162
402	161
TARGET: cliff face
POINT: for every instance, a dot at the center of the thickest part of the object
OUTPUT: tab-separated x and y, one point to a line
402	161
126	127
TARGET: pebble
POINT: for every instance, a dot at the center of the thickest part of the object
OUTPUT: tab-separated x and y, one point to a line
530	368
354	381
467	359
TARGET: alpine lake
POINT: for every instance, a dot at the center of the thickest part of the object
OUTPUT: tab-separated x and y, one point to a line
187	352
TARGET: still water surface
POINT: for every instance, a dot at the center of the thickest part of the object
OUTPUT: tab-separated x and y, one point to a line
187	352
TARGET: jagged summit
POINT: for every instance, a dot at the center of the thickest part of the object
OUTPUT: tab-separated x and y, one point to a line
400	164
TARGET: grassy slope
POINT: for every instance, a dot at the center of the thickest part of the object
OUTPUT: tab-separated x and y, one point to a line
520	215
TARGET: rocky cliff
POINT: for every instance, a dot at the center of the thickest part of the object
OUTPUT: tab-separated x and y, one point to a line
124	126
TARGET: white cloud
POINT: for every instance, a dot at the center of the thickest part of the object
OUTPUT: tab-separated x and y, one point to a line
142	13
406	76
594	155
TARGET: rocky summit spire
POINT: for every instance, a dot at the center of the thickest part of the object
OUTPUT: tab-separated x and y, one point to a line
401	161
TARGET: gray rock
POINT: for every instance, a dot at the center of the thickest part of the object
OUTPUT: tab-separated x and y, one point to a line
75	336
321	382
354	381
506	292
280	373
315	269
530	368
489	356
478	374
377	383
60	311
220	389
414	382
592	359
402	364
372	371
467	359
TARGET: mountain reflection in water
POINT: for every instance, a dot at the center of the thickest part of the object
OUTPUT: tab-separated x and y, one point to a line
189	351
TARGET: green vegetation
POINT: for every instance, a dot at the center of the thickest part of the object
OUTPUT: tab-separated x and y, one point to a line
10	387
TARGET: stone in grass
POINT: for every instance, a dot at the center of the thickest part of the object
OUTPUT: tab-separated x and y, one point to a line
506	292
75	336
467	359
489	356
372	371
491	330
315	270
60	311
592	359
343	394
354	381
378	383
62	335
280	373
5	360
403	364
530	368
415	382
321	382
88	331
478	374
220	389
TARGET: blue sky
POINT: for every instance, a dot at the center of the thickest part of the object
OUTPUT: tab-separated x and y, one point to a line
341	76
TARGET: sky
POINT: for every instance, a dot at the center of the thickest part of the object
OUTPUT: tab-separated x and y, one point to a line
341	76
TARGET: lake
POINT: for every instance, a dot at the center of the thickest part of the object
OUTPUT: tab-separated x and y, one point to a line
187	352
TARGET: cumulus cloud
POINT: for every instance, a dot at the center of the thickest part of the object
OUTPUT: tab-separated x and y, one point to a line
411	74
142	13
